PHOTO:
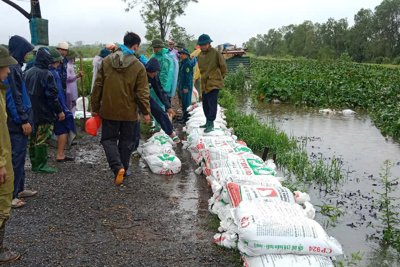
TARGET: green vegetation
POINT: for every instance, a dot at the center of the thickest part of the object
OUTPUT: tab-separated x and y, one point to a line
373	38
353	260
390	215
332	84
290	156
87	78
332	212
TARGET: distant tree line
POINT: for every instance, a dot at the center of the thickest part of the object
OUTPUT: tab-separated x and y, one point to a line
374	37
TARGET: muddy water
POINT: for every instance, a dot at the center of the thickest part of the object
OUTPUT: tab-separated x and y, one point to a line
363	150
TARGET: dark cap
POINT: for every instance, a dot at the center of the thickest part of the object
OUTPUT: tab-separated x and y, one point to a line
5	58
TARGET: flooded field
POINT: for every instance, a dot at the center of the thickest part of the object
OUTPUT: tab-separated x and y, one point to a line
363	150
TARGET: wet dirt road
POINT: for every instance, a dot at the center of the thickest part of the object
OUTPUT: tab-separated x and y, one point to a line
79	218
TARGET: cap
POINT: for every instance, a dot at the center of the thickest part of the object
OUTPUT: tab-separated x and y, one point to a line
5	58
63	45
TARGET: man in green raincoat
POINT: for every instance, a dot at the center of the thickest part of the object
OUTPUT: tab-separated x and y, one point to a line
6	168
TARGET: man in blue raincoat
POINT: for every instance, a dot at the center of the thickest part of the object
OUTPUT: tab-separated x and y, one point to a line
185	82
19	116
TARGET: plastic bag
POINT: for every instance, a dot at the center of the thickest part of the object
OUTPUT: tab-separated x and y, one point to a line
287	261
164	164
154	149
92	125
281	228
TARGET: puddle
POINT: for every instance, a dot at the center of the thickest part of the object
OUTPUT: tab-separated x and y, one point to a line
363	150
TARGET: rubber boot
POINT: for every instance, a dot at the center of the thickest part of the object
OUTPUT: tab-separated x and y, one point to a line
33	159
6	256
205	125
209	127
41	158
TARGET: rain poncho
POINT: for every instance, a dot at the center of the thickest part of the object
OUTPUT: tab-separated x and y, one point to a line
96	65
72	88
166	74
42	90
176	73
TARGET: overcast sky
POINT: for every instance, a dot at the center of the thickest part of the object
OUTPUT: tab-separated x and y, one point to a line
233	21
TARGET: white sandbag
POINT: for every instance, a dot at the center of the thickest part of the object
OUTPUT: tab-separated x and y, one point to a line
195	106
240	166
159	139
164	164
195	96
309	210
226	239
287	261
79	104
281	228
239	193
154	149
301	197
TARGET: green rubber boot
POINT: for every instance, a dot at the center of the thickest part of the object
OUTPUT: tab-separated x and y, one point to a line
41	159
209	127
205	125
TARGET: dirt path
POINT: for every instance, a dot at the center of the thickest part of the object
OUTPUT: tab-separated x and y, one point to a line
79	217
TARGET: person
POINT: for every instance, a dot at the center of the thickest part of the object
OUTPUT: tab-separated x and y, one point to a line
111	47
42	90
72	88
120	88
6	169
96	63
196	71
175	66
173	50
166	74
179	46
63	48
213	70
61	128
185	82
152	68
19	116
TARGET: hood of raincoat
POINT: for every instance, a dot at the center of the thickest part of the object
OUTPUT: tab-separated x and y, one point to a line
43	59
19	47
120	62
162	52
153	65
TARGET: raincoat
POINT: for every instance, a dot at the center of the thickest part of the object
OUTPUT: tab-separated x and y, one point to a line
42	90
72	88
19	108
121	87
175	53
96	65
166	74
62	71
174	84
213	70
68	124
5	146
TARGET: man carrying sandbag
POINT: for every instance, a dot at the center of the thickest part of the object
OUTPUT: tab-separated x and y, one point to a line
120	88
213	70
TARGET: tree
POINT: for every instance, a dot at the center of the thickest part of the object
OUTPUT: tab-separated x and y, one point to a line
179	34
159	15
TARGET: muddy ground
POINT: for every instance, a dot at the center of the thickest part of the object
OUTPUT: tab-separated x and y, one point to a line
80	218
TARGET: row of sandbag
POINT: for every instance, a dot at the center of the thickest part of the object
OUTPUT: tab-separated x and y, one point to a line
158	152
267	222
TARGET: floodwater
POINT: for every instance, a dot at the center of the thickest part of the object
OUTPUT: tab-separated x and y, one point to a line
363	150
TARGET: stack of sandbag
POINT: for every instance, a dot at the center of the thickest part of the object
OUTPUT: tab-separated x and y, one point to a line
158	152
269	224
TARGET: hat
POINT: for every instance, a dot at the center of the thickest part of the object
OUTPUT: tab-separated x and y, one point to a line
56	55
5	58
104	52
171	42
153	65
180	44
204	39
184	50
157	43
63	45
72	54
110	46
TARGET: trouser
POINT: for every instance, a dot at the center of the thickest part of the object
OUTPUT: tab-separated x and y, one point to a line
118	140
186	102
5	207
42	136
19	144
210	104
137	136
161	117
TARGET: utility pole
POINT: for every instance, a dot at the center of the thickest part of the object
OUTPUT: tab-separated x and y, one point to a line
39	27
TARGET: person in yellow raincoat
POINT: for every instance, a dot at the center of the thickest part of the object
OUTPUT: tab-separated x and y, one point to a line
6	168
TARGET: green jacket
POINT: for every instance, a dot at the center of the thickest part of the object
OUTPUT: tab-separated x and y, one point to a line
166	74
213	70
186	75
5	145
120	88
